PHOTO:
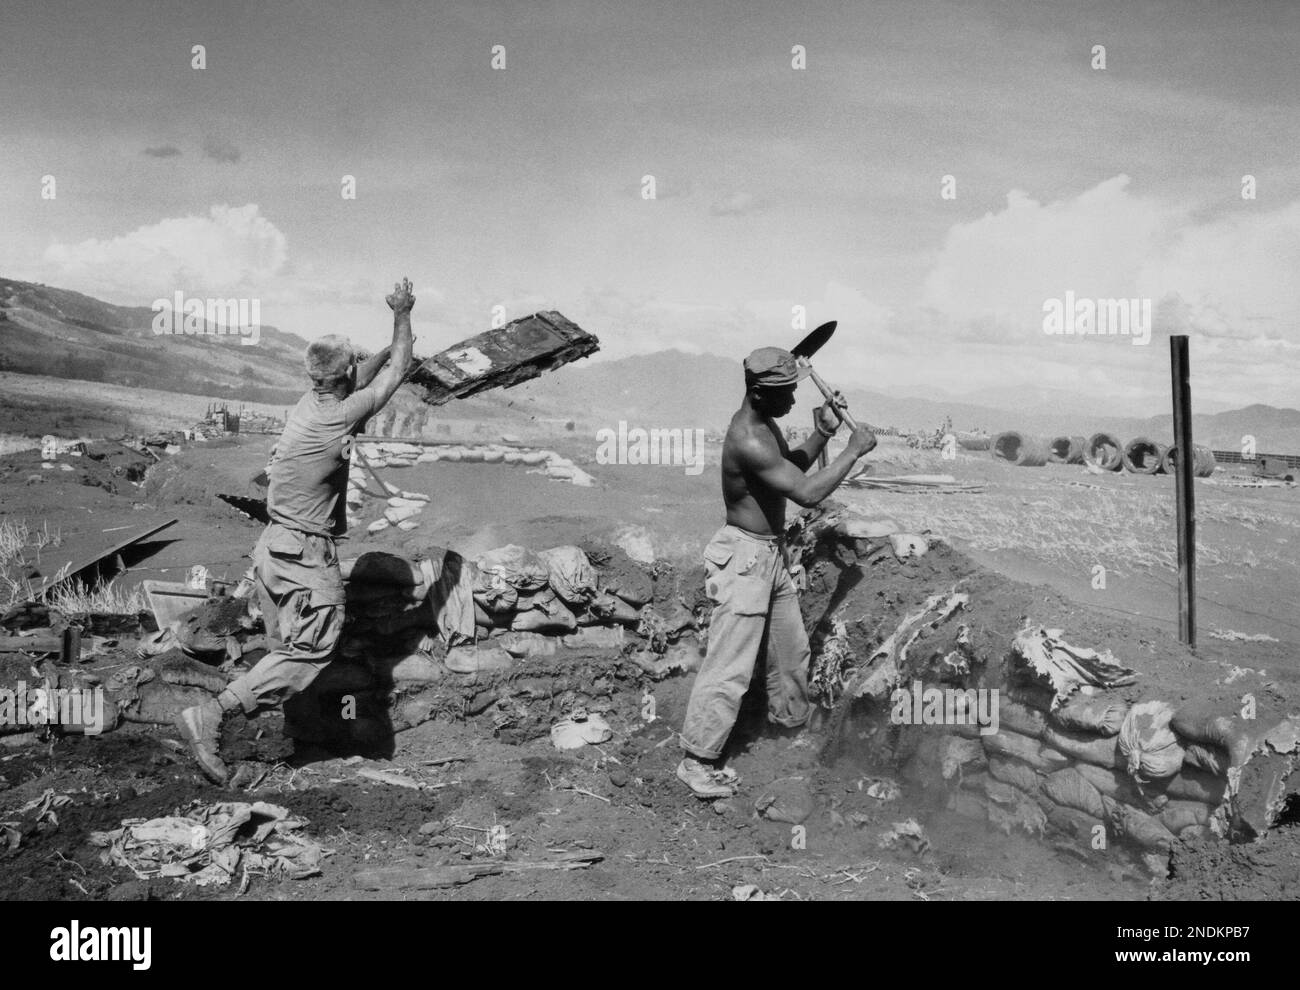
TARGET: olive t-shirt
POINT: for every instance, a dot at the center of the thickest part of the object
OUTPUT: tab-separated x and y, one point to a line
309	467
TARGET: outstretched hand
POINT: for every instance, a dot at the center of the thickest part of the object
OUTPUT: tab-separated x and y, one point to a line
401	299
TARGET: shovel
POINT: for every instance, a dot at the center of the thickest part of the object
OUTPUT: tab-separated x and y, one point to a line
805	349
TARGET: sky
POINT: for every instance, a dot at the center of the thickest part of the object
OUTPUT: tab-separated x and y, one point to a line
776	187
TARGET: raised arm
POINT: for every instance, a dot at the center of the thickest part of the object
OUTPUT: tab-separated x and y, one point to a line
367	369
401	301
828	422
781	475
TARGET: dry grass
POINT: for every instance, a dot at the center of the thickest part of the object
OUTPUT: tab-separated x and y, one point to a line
12	443
75	598
1076	524
19	543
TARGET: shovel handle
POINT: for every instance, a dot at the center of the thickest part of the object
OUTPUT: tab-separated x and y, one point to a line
843	413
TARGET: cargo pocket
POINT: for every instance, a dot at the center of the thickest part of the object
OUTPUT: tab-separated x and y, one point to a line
716	556
285	544
751	590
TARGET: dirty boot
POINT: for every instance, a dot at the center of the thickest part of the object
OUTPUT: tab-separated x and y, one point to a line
706	782
200	726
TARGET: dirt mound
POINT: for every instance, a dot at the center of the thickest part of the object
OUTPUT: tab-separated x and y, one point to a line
104	464
890	626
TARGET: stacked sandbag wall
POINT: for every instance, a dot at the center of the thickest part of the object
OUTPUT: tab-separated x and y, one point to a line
1099	773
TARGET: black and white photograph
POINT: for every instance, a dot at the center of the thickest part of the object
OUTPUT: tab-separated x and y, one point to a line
559	450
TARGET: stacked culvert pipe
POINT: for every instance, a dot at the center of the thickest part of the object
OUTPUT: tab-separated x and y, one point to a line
1067	450
1020	449
1105	451
1203	461
1143	455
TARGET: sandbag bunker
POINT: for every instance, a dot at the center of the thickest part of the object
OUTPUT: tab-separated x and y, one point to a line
1100	452
523	637
400	508
1017	726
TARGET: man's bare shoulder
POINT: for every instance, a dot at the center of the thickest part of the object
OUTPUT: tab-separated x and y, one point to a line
752	444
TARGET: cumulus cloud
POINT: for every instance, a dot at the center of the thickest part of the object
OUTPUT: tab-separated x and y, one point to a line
1226	276
230	248
220	150
162	151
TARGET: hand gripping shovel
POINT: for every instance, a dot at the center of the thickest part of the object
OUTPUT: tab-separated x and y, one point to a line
805	349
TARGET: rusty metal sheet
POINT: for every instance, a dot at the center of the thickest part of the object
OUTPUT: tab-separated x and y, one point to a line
517	352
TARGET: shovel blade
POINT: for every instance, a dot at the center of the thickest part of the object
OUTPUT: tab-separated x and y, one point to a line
811	344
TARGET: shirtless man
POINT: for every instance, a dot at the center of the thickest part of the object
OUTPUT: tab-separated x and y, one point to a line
757	605
296	559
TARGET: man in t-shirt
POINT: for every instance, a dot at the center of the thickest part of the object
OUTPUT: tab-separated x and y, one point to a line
297	564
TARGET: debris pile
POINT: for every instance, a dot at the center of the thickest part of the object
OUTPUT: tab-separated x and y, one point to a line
211	845
1027	731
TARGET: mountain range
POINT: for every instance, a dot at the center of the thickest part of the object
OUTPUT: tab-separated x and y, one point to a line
65	334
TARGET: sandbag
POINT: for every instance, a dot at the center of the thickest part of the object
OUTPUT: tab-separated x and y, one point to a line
610	608
1110	782
1015	773
1103	752
520	567
1179	815
570	574
1097	714
1137	826
1211	759
494	594
1019	718
1200	724
1025	749
1001	793
543	612
1195	785
1031	695
956	754
1073	822
1148	743
1022	815
1071	789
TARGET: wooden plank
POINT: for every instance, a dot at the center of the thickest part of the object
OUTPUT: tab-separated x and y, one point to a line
1184	491
517	352
169	600
77	563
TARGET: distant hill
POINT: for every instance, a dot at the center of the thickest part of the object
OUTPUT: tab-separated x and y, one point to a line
48	331
674	389
65	334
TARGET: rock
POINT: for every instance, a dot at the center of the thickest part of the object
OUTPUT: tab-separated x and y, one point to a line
131	890
786	799
618	777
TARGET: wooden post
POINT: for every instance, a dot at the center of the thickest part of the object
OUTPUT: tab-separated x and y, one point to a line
1185	499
